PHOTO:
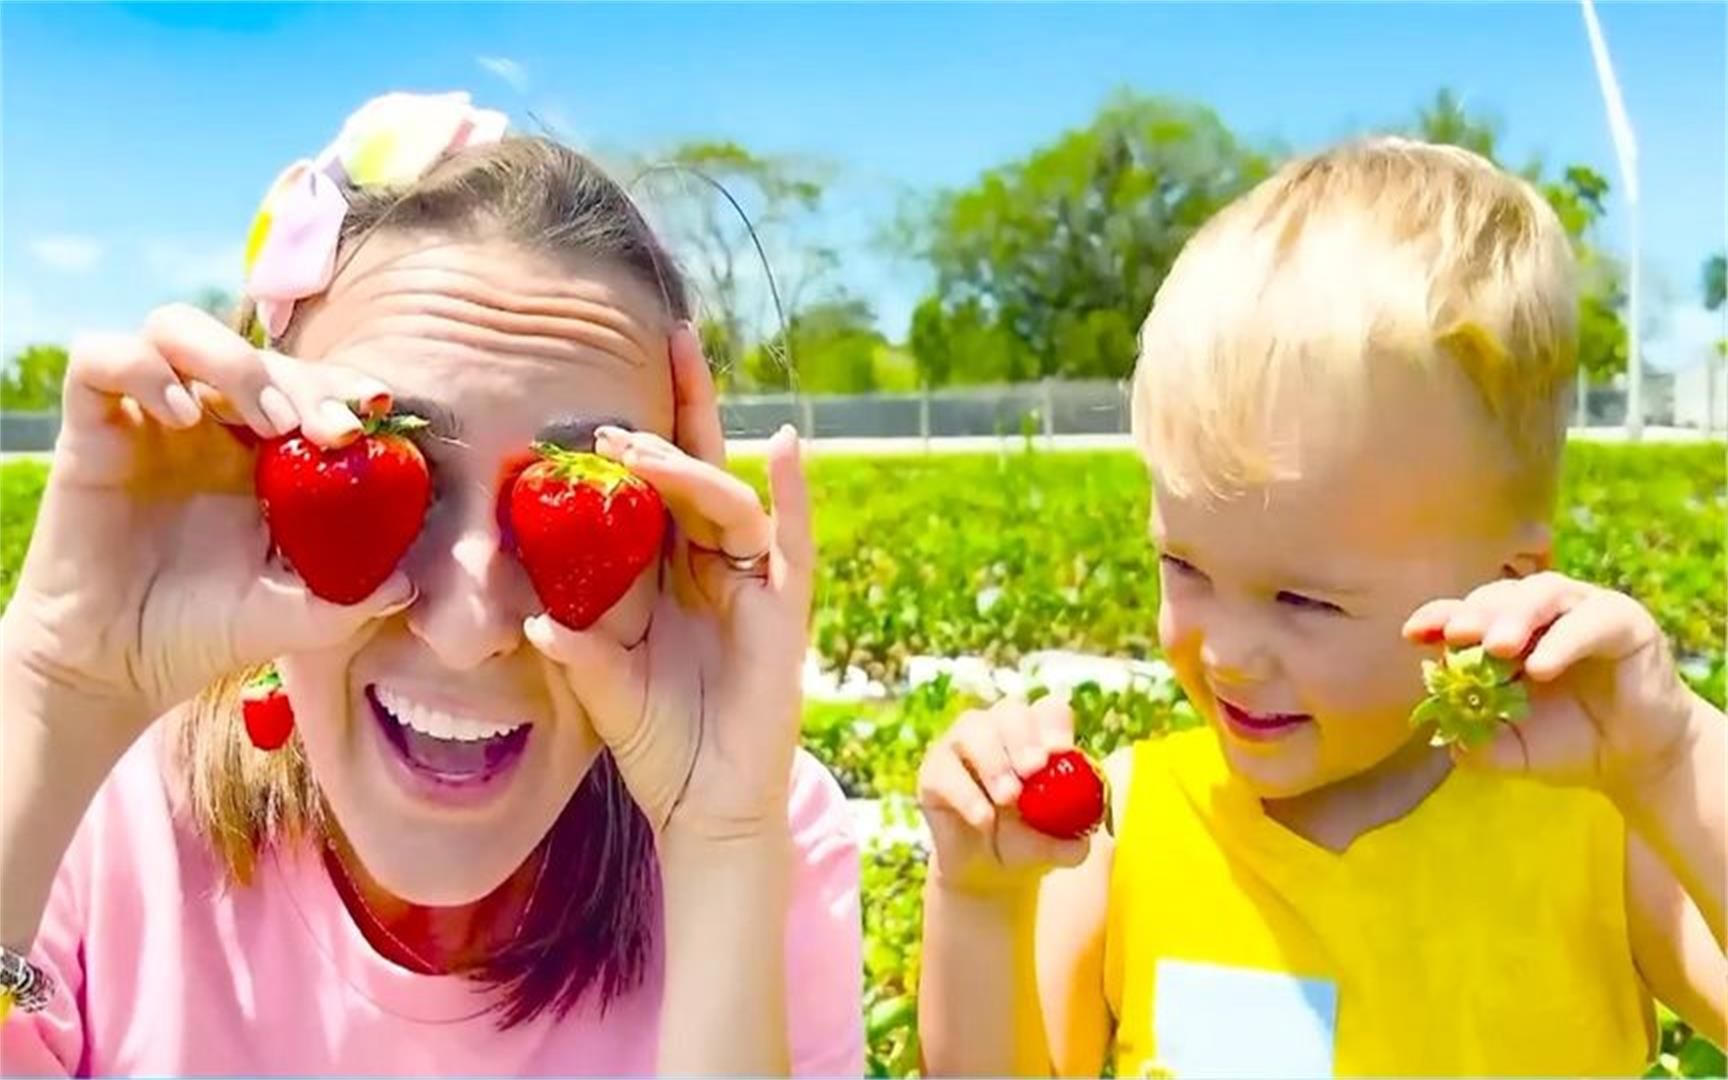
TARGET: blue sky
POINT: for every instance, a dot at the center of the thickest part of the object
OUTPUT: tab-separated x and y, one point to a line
136	139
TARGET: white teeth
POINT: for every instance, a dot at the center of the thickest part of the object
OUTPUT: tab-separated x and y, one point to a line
439	724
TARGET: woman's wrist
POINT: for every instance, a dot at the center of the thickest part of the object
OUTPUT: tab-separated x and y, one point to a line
762	858
57	746
726	903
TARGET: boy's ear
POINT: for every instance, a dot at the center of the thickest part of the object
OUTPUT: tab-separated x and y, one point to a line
1532	552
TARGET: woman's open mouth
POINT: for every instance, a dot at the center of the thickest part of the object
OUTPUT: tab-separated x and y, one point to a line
449	758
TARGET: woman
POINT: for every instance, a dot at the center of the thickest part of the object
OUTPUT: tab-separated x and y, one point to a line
493	844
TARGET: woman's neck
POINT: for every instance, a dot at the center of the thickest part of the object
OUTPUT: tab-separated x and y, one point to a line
432	940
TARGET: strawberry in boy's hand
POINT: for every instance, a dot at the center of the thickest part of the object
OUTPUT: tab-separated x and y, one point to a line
1066	798
585	528
344	517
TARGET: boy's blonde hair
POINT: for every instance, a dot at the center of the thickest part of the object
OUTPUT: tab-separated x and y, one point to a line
1377	252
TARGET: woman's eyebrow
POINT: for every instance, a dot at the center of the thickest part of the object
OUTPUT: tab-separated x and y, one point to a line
441	422
577	432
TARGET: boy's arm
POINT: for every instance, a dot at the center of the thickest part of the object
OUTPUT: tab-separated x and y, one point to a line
1011	979
1676	866
1012	984
1679	961
1072	915
1681	812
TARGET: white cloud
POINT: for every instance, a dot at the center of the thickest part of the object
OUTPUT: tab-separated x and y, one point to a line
67	253
511	71
182	266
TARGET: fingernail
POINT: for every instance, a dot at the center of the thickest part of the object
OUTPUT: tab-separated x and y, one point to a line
278	408
343	423
180	403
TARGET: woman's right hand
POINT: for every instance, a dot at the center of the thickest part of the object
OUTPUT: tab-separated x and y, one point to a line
150	573
969	784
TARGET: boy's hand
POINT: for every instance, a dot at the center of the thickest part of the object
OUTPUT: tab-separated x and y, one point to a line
1607	706
968	786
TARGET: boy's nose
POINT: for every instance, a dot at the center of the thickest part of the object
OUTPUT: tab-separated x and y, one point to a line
1236	656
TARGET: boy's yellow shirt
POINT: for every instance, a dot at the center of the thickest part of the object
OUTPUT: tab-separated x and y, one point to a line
1482	934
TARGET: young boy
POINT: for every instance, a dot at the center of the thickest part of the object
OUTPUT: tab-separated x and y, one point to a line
1352	393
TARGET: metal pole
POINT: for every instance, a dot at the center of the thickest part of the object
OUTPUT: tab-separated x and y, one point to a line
1634	361
1626	150
924	415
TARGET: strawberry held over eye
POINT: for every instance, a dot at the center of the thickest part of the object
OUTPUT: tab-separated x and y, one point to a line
344	517
585	528
1067	798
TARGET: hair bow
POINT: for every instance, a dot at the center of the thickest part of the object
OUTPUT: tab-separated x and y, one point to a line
390	141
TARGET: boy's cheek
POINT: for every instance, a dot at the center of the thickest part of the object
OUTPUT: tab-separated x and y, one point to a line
1177	629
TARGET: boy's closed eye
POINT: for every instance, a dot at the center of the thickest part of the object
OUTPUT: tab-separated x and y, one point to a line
1300	601
1179	565
1309	603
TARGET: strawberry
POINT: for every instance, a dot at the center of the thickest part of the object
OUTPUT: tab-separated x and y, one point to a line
1470	694
1067	798
344	518
585	528
265	708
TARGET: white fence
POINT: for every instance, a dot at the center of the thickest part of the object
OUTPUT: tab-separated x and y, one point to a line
1695	399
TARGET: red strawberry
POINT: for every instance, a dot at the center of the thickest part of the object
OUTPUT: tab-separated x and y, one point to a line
265	708
344	518
1067	798
585	527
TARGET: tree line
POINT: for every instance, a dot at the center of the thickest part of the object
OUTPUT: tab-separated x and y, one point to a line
1041	267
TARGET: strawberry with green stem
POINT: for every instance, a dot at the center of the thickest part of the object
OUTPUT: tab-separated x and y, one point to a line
1470	694
265	709
585	528
343	517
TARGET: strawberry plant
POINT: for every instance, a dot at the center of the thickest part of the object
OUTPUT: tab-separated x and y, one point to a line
999	556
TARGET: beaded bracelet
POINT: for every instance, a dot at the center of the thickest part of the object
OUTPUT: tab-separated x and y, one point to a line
22	984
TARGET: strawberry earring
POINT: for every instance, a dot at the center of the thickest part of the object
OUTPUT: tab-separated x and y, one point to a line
268	714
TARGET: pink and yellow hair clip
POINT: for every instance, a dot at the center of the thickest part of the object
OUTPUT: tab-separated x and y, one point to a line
390	141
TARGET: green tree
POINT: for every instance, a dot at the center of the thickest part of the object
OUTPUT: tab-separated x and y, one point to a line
32	380
1578	197
835	349
719	200
965	346
1715	283
1445	120
1063	250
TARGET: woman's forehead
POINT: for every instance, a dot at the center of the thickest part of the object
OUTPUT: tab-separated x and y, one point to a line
492	286
489	333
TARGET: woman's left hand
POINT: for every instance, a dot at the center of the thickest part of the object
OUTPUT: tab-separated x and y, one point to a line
702	714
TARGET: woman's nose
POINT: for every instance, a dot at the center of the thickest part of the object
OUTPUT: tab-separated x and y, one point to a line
470	608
